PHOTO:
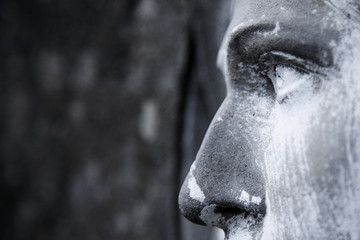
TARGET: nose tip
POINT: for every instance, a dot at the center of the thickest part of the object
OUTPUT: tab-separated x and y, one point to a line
219	214
212	202
225	183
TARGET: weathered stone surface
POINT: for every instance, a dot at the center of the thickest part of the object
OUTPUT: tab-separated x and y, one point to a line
280	159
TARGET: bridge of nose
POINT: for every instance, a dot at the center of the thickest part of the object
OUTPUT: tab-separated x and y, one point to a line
225	173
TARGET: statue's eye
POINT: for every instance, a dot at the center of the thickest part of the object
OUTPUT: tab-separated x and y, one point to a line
288	81
289	75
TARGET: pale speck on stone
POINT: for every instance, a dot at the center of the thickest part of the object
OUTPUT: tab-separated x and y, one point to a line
275	31
256	200
332	43
244	197
195	191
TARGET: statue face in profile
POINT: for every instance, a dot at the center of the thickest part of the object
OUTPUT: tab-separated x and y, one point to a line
281	158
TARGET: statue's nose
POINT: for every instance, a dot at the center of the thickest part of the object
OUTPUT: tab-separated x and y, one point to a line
212	196
224	182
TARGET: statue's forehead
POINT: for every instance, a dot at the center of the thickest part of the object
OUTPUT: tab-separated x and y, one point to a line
294	14
313	23
243	10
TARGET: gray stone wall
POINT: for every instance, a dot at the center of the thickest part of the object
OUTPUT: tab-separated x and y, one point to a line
103	105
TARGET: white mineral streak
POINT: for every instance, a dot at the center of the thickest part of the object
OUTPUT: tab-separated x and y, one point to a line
195	190
240	228
296	207
351	72
287	80
286	162
244	197
256	200
239	235
241	25
275	31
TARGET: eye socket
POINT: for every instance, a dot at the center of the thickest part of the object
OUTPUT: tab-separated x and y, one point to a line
288	81
289	75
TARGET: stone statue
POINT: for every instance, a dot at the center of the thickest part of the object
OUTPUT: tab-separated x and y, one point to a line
281	158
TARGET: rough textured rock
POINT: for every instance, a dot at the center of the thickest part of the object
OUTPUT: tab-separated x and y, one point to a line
93	96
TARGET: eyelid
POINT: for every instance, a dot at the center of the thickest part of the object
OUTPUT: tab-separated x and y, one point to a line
276	58
283	91
269	63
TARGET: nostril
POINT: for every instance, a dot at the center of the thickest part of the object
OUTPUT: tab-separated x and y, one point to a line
220	210
226	216
236	222
228	212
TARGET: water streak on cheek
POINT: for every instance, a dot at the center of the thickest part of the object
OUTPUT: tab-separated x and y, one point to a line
287	171
295	209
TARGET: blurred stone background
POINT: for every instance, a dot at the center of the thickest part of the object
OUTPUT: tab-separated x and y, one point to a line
104	104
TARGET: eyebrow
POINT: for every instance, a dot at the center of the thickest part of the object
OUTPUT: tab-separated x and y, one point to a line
247	43
240	32
233	34
241	40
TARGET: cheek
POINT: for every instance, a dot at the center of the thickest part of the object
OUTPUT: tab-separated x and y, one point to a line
307	168
287	166
293	125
